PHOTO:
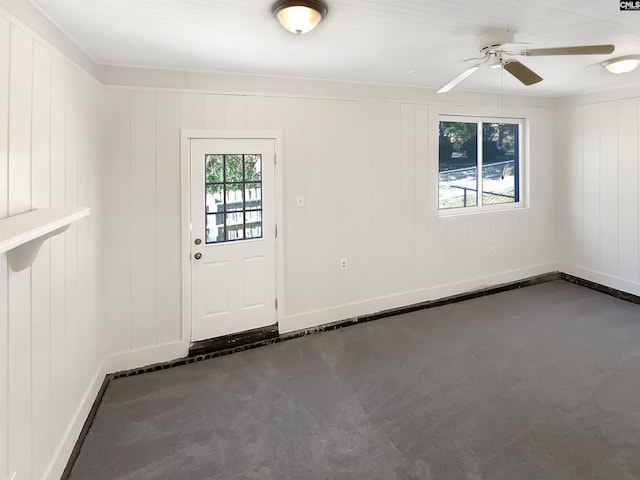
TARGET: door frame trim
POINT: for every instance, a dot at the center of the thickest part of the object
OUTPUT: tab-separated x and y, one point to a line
186	135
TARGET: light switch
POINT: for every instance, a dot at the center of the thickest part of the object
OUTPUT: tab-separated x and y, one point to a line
300	201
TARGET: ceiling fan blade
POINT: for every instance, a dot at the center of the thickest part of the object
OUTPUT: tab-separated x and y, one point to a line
522	72
458	79
583	50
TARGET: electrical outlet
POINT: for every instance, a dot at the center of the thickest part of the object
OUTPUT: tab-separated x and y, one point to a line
343	264
492	251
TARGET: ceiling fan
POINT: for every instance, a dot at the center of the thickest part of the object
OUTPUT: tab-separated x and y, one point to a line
493	55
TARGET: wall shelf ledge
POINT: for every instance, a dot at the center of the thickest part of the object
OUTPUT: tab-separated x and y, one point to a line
21	236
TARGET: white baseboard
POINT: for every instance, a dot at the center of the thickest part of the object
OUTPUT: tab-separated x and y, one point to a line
320	317
146	356
602	278
63	452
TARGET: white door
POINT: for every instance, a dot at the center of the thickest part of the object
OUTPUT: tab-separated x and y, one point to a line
233	244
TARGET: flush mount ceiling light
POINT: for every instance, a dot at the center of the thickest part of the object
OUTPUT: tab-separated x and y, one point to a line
622	64
299	16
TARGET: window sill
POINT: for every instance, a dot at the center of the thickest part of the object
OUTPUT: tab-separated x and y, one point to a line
466	211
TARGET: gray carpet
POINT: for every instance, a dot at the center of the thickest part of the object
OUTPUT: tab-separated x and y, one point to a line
537	383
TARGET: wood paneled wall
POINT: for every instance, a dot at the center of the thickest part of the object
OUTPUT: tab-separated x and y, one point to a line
600	201
51	347
368	171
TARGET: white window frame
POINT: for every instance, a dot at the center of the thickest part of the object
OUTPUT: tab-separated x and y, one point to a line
522	164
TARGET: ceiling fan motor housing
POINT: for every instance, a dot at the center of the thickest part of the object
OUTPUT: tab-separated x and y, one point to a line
487	42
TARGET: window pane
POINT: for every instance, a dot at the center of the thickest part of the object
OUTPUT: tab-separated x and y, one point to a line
252	167
254	224
214	202
235	226
214	228
233	168
499	169
253	196
233	196
457	165
213	168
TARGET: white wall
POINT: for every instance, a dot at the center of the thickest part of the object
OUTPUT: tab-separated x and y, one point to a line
51	347
600	178
368	170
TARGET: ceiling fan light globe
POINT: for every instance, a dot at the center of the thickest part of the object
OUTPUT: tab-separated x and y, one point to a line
622	65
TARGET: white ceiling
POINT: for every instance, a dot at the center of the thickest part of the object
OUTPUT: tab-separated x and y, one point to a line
372	41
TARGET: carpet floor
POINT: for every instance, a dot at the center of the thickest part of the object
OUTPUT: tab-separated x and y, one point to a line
537	383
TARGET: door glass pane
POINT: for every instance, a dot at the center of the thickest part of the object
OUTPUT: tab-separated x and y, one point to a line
252	167
213	168
214	201
233	168
215	228
235	226
253	196
233	197
458	165
499	166
253	221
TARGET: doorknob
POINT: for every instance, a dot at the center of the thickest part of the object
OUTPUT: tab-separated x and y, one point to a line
198	256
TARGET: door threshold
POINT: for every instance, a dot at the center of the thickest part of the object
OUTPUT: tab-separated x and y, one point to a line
226	342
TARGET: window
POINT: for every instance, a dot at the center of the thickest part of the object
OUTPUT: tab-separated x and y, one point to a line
479	163
233	198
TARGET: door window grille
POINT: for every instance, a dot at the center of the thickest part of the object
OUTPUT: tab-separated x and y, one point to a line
233	197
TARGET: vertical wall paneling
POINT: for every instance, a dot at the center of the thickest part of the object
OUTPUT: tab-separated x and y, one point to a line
574	209
20	122
57	249
192	108
591	193
356	200
19	282
143	220
298	230
40	270
214	112
168	217
4	366
5	44
627	192
71	114
116	230
609	187
395	280
379	227
256	113
331	148
406	236
421	207
235	111
352	220
90	344
5	56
